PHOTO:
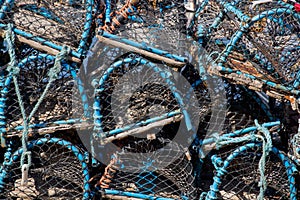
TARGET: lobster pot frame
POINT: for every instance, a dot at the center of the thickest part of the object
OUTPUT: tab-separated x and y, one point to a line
237	175
143	21
55	112
213	27
141	171
58	170
50	24
263	53
135	92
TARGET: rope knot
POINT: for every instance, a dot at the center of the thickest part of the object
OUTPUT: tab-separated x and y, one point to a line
54	71
10	39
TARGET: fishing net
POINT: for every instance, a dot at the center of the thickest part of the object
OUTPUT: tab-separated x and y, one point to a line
267	51
59	22
154	167
55	172
138	15
238	174
134	92
213	27
33	76
273	51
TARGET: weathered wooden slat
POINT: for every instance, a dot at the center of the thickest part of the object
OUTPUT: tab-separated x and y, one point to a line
140	51
143	129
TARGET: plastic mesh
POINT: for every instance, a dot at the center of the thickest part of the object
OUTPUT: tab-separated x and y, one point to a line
242	176
165	173
55	173
60	22
32	80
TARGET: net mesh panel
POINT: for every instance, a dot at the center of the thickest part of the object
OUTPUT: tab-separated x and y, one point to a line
60	22
273	52
134	92
165	172
214	27
120	106
237	113
158	24
32	80
242	177
268	50
55	173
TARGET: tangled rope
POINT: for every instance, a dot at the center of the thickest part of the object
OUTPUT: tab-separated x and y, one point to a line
266	140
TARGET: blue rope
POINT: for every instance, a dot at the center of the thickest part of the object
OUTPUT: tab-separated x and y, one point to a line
267	148
14	70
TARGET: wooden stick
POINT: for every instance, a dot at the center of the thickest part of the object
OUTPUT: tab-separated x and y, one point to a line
45	48
41	47
51	129
140	51
144	128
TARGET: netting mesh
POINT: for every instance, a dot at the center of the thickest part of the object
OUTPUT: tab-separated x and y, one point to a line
138	95
272	53
160	24
165	173
60	22
132	92
241	178
32	79
55	173
266	50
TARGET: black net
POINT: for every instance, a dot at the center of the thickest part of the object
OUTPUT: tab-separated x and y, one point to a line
267	50
131	92
241	179
158	168
59	22
55	173
32	79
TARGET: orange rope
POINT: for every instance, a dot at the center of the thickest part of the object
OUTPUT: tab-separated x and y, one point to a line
109	172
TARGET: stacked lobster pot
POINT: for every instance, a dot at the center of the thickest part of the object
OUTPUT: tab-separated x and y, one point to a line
149	99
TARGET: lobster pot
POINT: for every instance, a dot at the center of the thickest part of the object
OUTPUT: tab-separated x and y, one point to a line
273	49
134	92
140	169
57	171
213	28
56	108
160	24
50	23
238	174
266	54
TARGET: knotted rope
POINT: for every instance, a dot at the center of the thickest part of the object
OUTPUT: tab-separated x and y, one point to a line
266	140
14	70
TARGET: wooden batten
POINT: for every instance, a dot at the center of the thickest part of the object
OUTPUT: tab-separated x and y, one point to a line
140	51
41	47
